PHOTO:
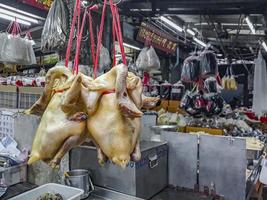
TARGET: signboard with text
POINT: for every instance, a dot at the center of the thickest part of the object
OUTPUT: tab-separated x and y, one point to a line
158	38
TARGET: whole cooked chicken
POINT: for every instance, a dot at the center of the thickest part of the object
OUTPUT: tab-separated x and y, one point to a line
74	107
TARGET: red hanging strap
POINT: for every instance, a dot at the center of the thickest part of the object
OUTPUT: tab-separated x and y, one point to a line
114	40
75	14
92	37
78	45
99	40
117	27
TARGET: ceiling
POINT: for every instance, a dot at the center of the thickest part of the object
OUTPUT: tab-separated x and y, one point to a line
218	22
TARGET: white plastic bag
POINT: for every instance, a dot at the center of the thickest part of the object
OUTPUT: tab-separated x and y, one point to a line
148	60
142	60
153	62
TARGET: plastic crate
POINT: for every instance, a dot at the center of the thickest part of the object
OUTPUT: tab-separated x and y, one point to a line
27	96
8	96
7	122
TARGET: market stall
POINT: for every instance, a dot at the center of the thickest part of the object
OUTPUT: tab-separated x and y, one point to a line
132	100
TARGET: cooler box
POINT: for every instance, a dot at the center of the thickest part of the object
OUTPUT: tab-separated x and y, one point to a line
142	179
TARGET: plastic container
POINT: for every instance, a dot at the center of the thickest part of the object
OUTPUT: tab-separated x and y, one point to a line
68	193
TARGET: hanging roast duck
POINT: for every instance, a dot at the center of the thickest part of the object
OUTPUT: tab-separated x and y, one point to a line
106	109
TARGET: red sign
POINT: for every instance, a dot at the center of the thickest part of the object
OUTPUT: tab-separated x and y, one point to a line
158	38
35	4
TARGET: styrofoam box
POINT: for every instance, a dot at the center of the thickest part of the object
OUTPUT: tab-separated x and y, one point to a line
68	193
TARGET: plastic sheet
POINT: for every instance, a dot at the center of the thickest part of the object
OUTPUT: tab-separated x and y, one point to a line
208	64
190	71
54	35
260	87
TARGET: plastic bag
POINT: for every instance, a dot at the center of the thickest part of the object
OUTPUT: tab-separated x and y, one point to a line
208	64
210	85
54	35
17	50
142	60
104	59
13	50
232	83
190	70
153	62
228	81
30	53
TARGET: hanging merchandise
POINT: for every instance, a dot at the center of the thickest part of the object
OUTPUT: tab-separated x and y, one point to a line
208	64
190	70
15	49
228	81
153	62
210	85
260	86
225	79
148	60
142	60
54	35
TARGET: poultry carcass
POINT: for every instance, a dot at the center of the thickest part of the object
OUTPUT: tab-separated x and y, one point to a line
66	101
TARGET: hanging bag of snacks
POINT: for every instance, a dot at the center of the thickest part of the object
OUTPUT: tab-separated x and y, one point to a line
14	48
190	70
54	35
208	64
153	62
142	60
225	79
232	81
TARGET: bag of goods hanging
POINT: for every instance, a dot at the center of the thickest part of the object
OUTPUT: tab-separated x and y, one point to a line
225	80
190	70
228	81
14	48
142	60
54	35
104	59
153	62
232	83
210	85
148	60
208	64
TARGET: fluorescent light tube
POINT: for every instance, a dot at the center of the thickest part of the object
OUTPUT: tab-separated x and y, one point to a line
264	46
19	16
190	32
250	25
170	23
10	18
131	46
199	42
20	11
